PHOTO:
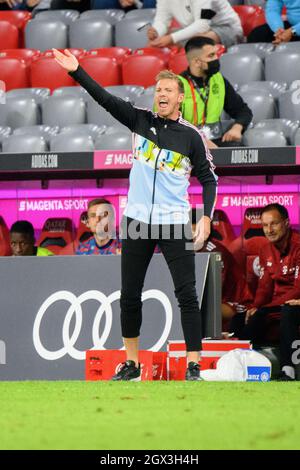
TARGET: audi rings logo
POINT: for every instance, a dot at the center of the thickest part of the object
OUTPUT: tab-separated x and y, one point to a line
105	308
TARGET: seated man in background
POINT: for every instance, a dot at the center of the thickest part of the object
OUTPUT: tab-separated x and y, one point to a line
215	19
234	286
276	30
22	240
207	94
101	223
279	284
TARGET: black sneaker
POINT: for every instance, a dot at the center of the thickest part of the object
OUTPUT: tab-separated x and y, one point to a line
129	372
193	371
283	377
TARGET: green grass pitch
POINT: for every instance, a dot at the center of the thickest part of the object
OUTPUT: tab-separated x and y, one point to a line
149	415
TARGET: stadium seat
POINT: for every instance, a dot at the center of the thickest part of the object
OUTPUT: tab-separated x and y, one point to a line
83	232
24	144
38	94
286	126
261	137
45	34
251	17
19	18
112	16
77	52
5	249
63	110
119	141
222	229
145	101
272	88
262	105
131	32
126	92
71	143
288	47
14	73
178	62
18	112
76	91
283	66
296	140
84	129
24	54
47	73
97	115
42	131
66	16
9	36
90	33
289	105
242	68
141	70
5	131
104	70
56	233
147	13
260	49
163	53
117	53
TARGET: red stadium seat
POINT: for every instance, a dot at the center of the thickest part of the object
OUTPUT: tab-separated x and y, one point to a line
56	234
5	249
251	16
9	35
45	72
141	69
118	53
163	53
222	229
83	232
178	62
105	70
24	54
220	50
76	52
18	18
14	72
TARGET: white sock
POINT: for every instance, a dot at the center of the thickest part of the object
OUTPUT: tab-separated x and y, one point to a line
290	371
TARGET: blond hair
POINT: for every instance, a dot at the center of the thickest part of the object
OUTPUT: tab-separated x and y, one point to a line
169	75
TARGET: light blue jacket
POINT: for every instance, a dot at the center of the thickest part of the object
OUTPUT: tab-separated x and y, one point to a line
273	14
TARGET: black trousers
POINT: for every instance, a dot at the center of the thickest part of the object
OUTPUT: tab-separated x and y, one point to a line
255	329
265	34
136	256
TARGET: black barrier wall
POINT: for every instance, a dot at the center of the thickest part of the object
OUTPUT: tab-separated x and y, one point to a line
53	309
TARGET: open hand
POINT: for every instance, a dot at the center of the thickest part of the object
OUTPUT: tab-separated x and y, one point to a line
67	60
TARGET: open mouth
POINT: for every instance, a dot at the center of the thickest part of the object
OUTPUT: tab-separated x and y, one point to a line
163	104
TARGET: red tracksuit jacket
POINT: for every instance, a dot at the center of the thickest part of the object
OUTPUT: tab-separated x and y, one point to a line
279	274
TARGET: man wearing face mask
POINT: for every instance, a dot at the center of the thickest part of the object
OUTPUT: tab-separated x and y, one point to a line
207	94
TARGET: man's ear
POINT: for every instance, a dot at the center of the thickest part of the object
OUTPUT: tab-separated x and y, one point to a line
180	98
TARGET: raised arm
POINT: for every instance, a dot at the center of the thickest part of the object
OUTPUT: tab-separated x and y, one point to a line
120	109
